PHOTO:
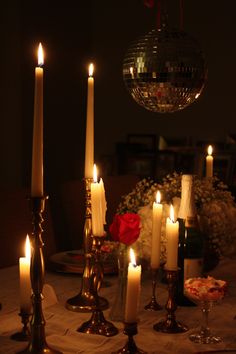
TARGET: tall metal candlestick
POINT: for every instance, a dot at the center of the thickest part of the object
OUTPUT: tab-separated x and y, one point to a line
97	323
85	301
37	343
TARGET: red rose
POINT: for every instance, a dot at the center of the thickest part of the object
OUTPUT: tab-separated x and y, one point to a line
125	228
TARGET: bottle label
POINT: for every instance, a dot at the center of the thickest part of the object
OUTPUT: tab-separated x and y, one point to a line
193	268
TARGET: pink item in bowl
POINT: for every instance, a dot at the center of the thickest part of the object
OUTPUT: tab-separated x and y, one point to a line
205	289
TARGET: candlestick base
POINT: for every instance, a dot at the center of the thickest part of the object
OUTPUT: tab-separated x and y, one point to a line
130	329
153	306
170	325
24	334
86	302
98	325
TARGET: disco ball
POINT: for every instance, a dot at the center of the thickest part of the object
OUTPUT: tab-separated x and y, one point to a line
164	70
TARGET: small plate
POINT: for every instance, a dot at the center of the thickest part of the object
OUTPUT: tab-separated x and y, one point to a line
73	262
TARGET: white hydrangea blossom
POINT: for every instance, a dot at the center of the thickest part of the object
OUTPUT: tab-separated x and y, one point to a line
215	205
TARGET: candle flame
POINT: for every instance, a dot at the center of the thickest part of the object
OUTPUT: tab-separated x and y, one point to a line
27	248
172	213
95	176
209	150
91	69
40	55
132	257
158	197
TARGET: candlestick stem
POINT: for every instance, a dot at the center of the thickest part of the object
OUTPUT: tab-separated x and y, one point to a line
85	300
97	323
130	329
170	325
153	304
24	334
37	343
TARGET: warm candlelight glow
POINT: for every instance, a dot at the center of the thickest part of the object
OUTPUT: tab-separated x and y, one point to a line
132	257
131	70
95	176
40	55
209	150
27	248
91	69
133	289
25	283
89	141
172	213
157	209
158	197
172	237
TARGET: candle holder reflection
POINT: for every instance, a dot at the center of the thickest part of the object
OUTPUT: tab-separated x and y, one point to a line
24	334
37	343
85	300
130	329
97	323
170	325
153	304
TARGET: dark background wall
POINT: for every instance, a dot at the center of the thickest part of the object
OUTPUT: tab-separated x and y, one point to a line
74	33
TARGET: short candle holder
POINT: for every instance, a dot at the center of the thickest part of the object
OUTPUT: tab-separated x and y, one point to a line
153	304
97	323
130	329
24	334
85	300
170	325
37	342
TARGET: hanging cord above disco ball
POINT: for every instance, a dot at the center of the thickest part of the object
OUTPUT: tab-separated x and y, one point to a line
164	70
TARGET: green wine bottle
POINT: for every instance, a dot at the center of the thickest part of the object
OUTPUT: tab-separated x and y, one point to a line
191	240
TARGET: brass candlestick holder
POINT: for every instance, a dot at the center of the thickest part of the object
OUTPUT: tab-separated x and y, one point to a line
97	323
85	300
130	329
153	304
24	334
37	343
170	325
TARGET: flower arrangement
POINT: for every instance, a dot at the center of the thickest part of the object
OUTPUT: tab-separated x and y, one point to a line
215	206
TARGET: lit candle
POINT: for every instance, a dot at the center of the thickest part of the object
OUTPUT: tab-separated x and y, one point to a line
172	236
37	151
133	290
156	232
209	162
97	206
104	202
89	144
25	283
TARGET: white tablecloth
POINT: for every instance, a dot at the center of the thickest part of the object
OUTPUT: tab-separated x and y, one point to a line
61	324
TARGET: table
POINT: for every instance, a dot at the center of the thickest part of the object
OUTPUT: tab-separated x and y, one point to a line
61	324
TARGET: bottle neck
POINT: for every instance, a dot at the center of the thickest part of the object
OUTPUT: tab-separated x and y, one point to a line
187	204
191	222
